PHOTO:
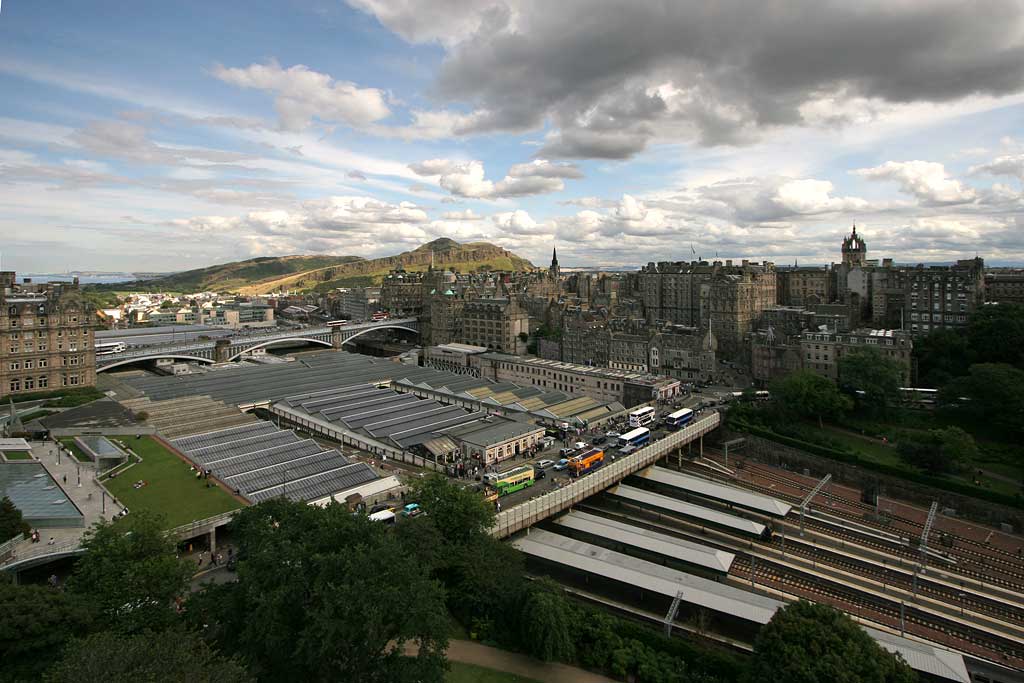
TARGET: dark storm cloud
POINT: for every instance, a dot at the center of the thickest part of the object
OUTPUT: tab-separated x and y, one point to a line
597	68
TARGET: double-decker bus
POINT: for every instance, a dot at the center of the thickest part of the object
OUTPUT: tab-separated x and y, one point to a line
588	461
679	418
635	438
641	417
515	479
337	323
379	316
106	348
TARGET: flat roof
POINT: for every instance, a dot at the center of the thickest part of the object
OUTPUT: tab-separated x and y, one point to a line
104	412
33	491
712	489
625	375
920	656
461	348
493	430
688	509
14	445
645	539
636	572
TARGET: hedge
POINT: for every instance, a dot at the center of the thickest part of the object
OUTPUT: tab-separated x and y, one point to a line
899	472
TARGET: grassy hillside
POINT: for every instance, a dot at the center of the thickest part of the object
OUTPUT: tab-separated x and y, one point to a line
443	252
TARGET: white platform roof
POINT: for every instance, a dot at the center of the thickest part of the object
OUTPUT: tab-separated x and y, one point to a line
643	497
645	539
716	491
718	597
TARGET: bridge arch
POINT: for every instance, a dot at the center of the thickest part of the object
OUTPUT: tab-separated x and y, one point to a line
268	342
154	356
381	327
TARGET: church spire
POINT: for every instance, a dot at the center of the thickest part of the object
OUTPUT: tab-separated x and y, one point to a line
554	271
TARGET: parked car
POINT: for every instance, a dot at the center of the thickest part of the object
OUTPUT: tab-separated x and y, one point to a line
613	435
543	464
539	474
381	507
411	510
566	451
580	445
600	440
562	464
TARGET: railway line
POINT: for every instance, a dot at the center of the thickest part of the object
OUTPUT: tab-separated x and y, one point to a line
973	559
996	638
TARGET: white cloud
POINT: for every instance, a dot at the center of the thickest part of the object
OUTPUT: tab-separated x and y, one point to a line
467	179
303	95
926	180
1010	164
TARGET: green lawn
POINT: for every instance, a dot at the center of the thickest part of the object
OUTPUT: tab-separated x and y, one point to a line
171	490
867	448
76	452
471	673
17	455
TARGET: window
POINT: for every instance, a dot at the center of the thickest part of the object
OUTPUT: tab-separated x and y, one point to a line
30	383
44	382
28	364
15	385
42	363
15	365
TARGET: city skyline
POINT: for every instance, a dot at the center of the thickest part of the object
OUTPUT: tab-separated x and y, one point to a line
167	138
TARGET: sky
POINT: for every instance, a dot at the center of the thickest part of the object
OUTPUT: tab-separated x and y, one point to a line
156	136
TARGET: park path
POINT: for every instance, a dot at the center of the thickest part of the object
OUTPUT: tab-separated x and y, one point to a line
469	652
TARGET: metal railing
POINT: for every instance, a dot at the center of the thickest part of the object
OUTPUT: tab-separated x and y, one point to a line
215	521
36	550
7	548
536	509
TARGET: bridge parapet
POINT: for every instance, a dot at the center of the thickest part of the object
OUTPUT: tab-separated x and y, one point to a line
536	509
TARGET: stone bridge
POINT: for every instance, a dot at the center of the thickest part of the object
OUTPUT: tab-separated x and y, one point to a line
231	348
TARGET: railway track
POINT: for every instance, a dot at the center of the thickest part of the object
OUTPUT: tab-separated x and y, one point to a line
994	566
948	630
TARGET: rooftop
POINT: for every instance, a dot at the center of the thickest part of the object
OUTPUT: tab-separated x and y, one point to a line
492	431
624	375
36	494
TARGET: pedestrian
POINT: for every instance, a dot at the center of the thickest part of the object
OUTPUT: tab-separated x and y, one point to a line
200	562
220	558
65	478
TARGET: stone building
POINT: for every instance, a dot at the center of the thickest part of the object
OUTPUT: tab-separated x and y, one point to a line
726	298
356	303
498	323
1005	286
46	337
822	351
942	297
401	294
804	286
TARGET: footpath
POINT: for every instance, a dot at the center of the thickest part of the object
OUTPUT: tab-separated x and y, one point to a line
469	652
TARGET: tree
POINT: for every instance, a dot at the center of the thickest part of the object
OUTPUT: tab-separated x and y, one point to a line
547	622
809	643
130	572
808	394
146	657
458	513
324	595
876	378
996	335
994	393
37	623
11	522
941	356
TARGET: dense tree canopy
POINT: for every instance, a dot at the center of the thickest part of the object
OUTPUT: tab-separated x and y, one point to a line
809	643
879	377
11	522
130	573
145	658
992	392
36	623
939	450
808	394
996	335
324	595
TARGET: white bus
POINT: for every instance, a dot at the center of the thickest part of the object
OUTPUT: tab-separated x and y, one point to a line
641	417
106	348
337	323
678	418
635	438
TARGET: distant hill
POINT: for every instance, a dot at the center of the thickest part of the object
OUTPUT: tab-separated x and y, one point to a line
445	253
229	277
276	273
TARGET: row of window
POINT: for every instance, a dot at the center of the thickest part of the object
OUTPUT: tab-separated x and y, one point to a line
42	346
42	335
29	321
30	383
27	364
939	318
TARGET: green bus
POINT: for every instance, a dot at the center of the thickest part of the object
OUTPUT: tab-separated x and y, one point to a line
515	479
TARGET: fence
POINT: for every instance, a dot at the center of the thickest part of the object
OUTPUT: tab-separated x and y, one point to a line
7	548
534	510
184	530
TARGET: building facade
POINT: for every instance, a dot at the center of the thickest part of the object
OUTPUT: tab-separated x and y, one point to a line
1005	286
822	351
499	324
943	297
46	337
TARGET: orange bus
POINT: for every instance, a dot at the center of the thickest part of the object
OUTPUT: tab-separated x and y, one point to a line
588	461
